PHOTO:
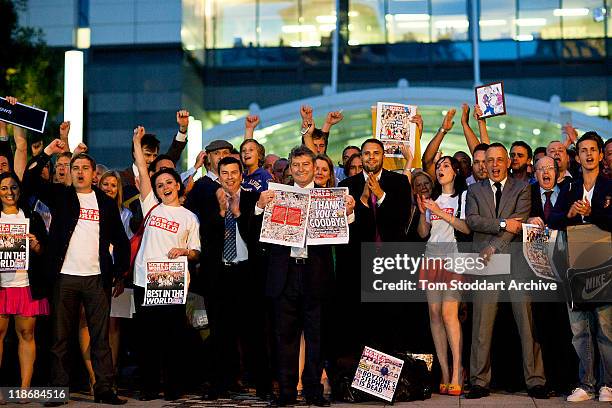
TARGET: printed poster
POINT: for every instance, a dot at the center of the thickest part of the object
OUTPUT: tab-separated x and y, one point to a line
14	245
285	217
393	127
491	99
327	221
538	249
377	374
166	282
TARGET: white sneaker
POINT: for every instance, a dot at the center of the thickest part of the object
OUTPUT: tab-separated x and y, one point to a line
605	394
579	395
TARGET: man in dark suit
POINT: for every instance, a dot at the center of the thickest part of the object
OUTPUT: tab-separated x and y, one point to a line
229	234
550	318
382	210
299	281
80	268
495	210
205	188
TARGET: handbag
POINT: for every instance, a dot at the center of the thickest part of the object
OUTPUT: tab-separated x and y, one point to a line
136	241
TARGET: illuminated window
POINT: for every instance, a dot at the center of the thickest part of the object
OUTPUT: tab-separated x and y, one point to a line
497	19
366	22
582	18
449	20
230	23
408	21
536	20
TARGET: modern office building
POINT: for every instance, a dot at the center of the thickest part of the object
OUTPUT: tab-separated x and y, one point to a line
224	58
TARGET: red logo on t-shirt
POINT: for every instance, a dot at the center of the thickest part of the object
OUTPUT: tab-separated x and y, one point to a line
162	223
89	214
450	211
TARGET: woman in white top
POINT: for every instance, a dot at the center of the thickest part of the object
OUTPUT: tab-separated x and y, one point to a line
110	183
22	292
170	232
439	219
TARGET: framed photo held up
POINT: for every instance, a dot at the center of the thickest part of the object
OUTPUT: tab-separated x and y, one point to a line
491	99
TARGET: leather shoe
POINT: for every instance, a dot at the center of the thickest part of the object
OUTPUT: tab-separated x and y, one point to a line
109	397
538	392
148	396
319	401
477	392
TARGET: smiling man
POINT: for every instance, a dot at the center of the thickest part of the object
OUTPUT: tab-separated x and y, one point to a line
520	156
85	224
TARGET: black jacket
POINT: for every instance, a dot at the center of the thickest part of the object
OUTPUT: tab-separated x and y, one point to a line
560	206
64	204
392	215
39	286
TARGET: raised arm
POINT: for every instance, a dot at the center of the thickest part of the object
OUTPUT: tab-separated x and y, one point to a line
250	123
33	184
64	130
571	135
470	137
482	125
21	151
179	141
139	160
308	127
434	144
332	119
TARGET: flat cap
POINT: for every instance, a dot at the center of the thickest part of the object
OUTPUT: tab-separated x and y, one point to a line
218	144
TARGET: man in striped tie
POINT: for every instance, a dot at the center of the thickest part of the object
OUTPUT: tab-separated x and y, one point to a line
231	282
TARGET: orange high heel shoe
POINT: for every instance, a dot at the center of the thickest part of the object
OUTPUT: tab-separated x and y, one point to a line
443	389
457	389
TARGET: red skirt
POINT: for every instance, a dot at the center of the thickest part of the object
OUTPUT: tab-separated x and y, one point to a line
18	301
435	272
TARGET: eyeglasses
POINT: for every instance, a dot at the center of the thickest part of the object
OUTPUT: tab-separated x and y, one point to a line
546	168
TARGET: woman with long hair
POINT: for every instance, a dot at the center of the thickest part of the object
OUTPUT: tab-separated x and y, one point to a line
440	217
353	165
110	183
324	171
22	292
170	231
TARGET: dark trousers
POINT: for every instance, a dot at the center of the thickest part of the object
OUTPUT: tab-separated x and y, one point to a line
68	294
237	317
297	309
161	329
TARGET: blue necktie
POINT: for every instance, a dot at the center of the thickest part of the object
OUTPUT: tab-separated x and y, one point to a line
229	243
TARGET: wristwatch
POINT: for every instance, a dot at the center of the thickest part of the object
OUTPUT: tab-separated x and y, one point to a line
502	225
441	129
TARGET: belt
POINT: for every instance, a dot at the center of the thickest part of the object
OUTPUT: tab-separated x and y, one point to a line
299	261
233	263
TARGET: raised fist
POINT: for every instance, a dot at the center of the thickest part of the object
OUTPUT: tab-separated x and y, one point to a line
251	121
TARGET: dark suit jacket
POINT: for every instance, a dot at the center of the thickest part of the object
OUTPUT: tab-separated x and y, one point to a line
212	235
392	215
601	204
537	210
200	196
65	207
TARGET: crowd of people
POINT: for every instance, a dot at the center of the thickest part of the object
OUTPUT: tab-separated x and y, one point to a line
92	231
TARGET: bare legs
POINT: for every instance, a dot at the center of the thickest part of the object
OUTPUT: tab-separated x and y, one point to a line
446	330
24	326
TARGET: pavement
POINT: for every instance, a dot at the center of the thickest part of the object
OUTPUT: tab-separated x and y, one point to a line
497	400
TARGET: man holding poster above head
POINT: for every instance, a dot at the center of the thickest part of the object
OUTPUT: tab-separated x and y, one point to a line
299	281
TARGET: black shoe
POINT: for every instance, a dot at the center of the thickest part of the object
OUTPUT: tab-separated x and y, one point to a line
319	401
283	402
54	403
538	392
148	396
212	395
109	397
477	392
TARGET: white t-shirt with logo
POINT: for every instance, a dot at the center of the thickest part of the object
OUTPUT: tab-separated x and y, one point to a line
167	227
442	231
83	254
18	278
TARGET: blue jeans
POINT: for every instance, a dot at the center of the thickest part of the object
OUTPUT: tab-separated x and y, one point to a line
592	332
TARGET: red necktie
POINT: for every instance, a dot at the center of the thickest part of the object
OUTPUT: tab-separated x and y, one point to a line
373	206
548	207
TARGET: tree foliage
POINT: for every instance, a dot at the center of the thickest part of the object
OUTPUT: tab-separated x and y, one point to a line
29	69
